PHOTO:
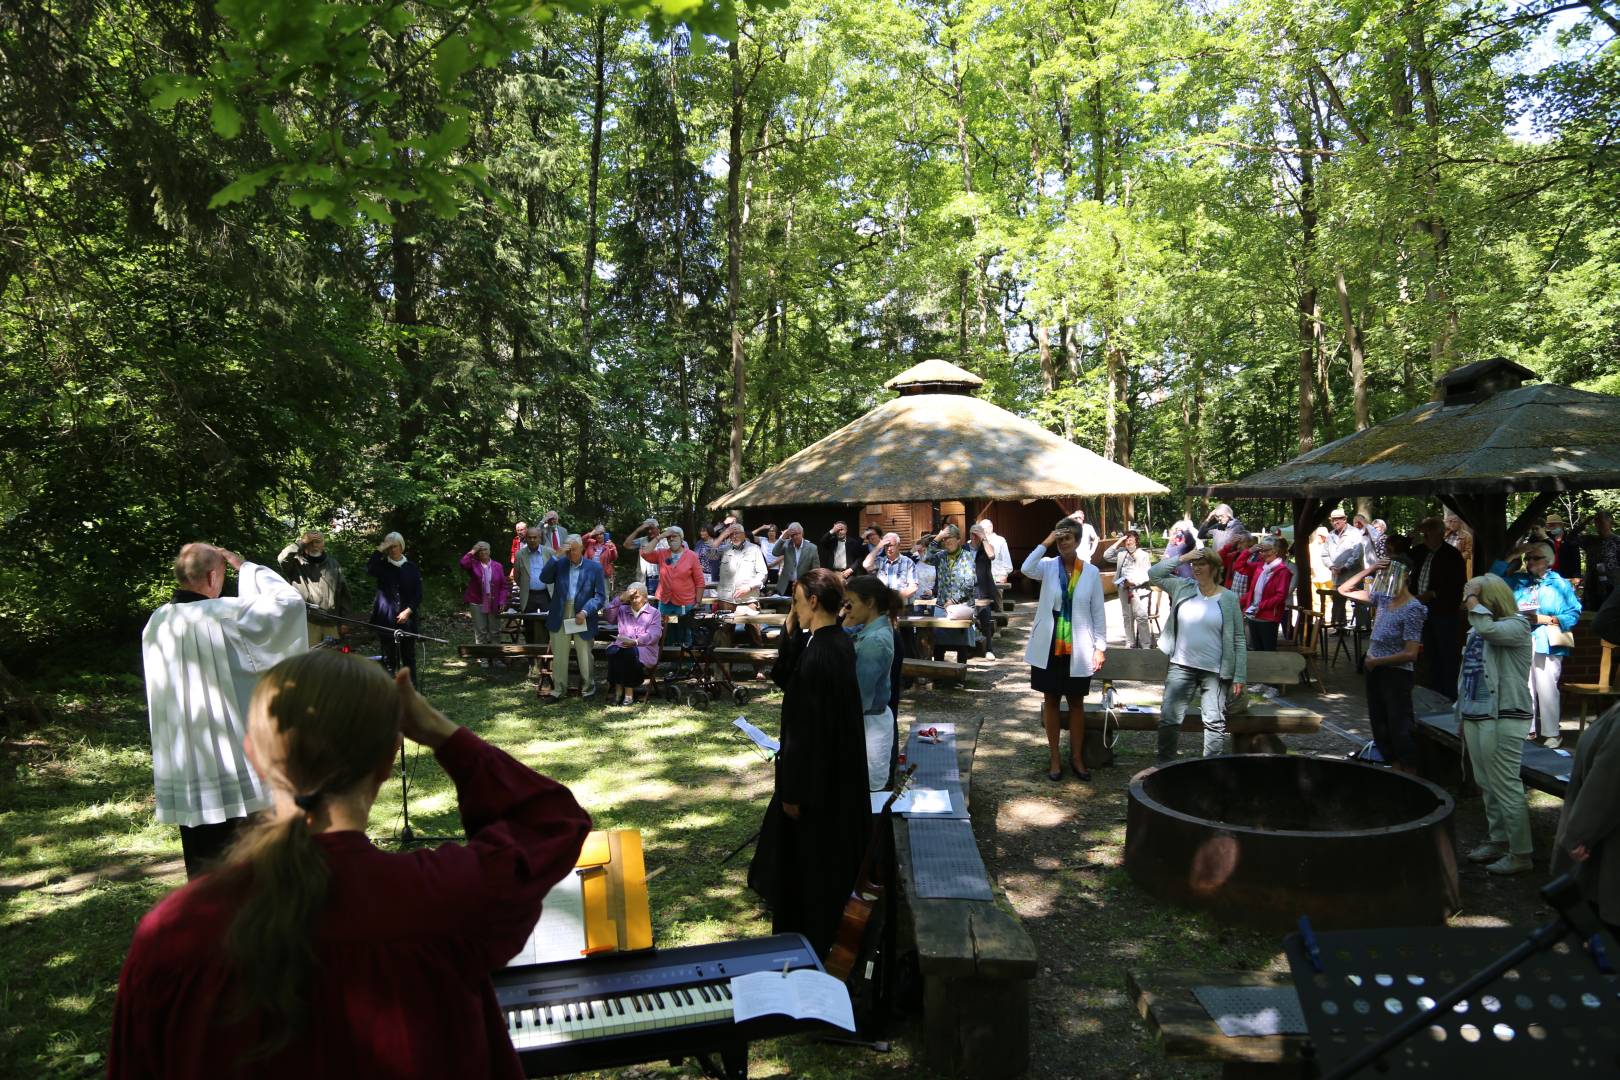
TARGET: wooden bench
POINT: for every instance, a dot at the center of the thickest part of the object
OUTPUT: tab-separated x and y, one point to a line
1440	757
1186	1032
976	963
1255	727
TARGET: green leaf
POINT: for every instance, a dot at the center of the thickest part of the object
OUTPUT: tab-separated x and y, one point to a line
242	187
226	119
167	91
450	62
373	209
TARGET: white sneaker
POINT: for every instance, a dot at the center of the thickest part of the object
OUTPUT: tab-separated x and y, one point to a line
1511	864
1490	851
988	655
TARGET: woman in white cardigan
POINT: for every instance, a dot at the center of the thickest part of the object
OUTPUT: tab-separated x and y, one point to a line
1068	642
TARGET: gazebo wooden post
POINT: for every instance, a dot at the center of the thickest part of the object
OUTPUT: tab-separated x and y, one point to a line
1308	514
1486	515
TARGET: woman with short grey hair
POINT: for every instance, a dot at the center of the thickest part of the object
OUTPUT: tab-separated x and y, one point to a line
396	607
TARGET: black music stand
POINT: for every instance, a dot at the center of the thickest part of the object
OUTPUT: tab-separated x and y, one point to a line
1480	1003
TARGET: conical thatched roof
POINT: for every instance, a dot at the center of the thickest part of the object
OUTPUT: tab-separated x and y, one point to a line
927	446
1531	438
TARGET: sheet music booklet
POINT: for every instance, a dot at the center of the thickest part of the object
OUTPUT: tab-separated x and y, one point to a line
805	994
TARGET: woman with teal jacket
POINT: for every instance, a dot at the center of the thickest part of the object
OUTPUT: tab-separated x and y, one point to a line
1548	600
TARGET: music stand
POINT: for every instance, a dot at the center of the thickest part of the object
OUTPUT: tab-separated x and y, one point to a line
1433	1002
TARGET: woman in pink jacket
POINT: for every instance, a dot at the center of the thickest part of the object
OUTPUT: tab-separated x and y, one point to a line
486	592
638	628
680	584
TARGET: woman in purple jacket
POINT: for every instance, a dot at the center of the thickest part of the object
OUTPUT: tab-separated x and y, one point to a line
486	592
638	630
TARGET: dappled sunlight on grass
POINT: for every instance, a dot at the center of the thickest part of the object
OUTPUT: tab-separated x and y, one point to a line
1021	814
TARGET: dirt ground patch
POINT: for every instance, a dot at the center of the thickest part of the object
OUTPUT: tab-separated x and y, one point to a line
1056	851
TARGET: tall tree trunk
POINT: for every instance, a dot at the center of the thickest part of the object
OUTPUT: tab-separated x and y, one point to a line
587	293
1309	326
734	169
1358	356
1049	373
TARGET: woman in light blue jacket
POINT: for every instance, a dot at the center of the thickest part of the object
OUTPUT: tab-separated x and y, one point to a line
1068	641
871	605
1546	598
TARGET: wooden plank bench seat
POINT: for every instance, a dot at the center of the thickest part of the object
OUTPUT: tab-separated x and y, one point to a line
976	962
1440	757
1255	727
939	670
1186	1032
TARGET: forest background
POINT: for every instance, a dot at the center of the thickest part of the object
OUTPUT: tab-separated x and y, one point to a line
434	264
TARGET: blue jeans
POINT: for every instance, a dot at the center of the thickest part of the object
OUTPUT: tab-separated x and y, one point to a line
1179	685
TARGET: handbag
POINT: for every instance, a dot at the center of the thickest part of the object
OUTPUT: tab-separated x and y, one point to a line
1558	637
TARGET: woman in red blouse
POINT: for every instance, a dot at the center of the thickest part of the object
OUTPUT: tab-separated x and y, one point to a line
309	953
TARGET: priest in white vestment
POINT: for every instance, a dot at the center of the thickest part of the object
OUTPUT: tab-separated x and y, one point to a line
203	653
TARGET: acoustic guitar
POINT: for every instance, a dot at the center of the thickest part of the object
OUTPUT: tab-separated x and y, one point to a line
863	899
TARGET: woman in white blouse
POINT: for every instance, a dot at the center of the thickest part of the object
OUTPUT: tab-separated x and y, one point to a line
1068	642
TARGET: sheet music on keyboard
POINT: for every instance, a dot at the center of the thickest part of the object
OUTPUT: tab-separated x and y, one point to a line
560	933
802	994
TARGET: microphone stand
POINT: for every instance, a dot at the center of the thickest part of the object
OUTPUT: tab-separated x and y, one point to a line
406	834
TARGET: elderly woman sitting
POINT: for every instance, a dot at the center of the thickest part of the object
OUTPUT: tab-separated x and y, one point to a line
638	630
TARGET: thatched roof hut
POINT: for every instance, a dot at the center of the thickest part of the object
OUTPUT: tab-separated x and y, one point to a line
936	454
935	441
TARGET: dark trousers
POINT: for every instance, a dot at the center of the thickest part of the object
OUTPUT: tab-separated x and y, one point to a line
624	668
534	629
1262	635
1443	651
986	616
1389	708
202	845
397	652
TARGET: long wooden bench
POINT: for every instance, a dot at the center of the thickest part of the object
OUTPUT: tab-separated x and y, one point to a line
1255	726
976	962
939	670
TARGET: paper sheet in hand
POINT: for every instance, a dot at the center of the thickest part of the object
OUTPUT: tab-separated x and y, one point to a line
573	626
805	994
915	801
560	933
758	737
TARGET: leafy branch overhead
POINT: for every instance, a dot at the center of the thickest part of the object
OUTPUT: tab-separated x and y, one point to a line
320	85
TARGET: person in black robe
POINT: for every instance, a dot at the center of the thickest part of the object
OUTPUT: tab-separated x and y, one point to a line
819	820
399	596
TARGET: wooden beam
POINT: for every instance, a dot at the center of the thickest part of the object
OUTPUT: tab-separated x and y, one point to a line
1538	506
1308	514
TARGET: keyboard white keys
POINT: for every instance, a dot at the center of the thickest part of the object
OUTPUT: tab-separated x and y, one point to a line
594	1018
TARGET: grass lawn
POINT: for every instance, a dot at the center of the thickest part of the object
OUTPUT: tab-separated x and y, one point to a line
81	858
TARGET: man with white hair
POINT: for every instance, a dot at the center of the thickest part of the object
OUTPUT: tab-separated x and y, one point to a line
798	558
528	576
552	535
742	567
1346	548
578	593
202	654
892	567
318	578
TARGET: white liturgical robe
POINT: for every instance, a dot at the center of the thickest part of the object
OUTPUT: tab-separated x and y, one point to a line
202	660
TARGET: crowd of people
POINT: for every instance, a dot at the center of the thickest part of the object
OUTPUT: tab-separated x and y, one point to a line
269	750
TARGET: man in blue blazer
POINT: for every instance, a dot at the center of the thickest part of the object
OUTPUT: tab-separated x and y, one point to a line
578	592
